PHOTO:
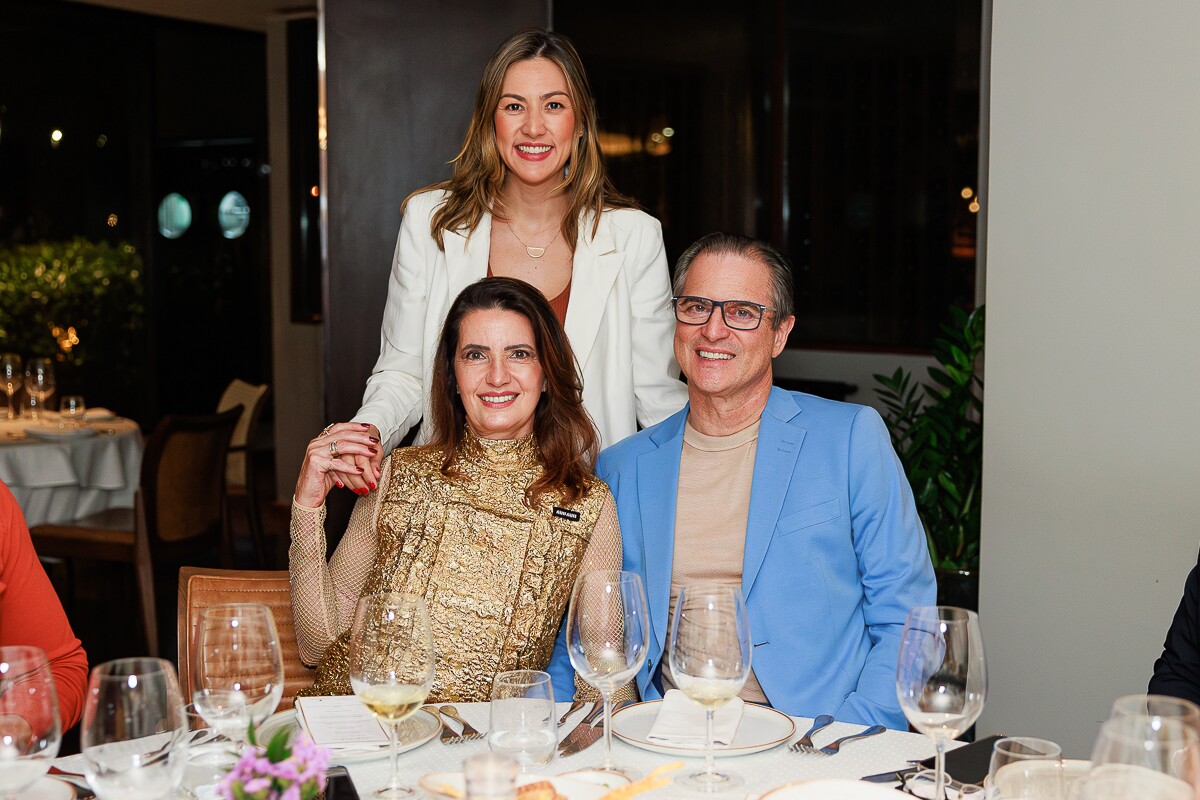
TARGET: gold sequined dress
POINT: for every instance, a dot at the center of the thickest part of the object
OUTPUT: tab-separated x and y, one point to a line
495	574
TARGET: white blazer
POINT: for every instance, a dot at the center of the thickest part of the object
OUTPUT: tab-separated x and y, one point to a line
619	321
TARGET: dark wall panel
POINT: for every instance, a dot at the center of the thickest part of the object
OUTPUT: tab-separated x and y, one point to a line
401	80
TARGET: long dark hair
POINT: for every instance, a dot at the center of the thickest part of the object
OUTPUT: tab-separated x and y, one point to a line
565	433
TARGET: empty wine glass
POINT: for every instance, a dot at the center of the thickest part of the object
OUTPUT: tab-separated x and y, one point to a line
1143	756
238	669
710	661
10	379
391	666
1025	767
71	410
941	677
134	730
1157	705
39	384
30	731
608	630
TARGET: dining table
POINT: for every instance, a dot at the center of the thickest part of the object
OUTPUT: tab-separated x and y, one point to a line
59	472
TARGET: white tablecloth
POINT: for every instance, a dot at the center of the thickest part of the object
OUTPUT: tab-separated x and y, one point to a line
762	771
59	480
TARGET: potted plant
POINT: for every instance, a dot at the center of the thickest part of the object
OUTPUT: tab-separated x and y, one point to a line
937	430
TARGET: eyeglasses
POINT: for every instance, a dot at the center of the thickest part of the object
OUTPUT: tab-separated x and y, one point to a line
920	784
740	315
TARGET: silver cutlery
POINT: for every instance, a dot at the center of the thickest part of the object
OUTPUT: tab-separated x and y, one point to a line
833	747
578	732
468	732
575	706
448	736
583	737
804	743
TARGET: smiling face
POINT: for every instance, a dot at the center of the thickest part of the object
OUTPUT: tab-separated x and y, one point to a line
535	122
720	362
499	376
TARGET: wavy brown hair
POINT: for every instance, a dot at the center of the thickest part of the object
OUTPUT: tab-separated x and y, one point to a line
565	434
479	172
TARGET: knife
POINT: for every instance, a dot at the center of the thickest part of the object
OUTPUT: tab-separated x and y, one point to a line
583	736
578	731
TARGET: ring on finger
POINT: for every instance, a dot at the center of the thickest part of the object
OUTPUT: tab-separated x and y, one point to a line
325	430
333	448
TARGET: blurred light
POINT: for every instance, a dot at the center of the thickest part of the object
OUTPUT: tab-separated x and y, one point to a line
668	132
315	191
56	136
101	140
112	220
656	137
966	192
974	207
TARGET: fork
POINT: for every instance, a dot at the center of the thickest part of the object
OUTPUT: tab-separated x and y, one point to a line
448	735
804	743
832	748
469	733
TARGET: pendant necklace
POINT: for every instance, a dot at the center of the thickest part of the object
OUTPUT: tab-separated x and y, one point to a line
533	252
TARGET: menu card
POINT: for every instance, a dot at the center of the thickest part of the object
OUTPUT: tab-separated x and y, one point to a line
340	722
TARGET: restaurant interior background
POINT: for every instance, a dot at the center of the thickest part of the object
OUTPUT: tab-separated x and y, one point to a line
849	133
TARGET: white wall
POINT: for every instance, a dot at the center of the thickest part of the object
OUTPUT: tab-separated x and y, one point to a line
1091	505
858	369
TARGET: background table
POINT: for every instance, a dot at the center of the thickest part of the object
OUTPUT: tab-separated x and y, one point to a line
762	771
59	480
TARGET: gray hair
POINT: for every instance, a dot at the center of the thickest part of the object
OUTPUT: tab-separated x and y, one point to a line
782	287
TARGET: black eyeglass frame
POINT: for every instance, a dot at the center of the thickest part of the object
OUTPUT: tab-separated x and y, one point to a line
721	305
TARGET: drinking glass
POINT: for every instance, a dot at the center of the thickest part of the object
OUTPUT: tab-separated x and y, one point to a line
523	721
10	379
30	730
134	730
608	630
941	677
1143	756
391	666
237	668
71	410
490	776
1157	705
39	384
1023	766
710	661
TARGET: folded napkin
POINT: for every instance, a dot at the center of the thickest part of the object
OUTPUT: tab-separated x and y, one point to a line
99	414
681	722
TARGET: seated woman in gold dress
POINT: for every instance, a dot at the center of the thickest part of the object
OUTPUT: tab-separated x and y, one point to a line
490	521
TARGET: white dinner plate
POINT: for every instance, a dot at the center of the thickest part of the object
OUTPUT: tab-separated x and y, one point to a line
414	732
450	785
830	789
761	729
49	789
55	432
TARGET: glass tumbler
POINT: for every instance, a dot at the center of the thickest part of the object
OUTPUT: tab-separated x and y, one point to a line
522	718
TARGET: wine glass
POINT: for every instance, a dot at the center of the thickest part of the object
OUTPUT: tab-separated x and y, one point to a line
1157	705
134	730
10	379
608	633
1143	756
391	666
237	668
710	661
941	677
30	730
39	383
1025	767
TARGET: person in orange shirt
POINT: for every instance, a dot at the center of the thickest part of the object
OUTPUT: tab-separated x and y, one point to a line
31	614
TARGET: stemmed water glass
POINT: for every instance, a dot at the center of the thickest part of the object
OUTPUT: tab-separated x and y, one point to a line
30	730
941	677
134	730
391	667
10	379
710	661
608	633
237	669
39	383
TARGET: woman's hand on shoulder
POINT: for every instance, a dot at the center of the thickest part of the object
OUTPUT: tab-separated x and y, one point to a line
344	454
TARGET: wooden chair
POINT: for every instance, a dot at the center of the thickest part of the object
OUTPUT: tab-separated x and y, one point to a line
179	509
239	465
201	588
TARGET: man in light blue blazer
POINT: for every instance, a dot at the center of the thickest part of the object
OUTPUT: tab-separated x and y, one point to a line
833	554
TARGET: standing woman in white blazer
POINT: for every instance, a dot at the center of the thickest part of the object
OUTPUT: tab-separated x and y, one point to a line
530	199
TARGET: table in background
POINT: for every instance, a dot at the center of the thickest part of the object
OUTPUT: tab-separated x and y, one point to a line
762	771
60	480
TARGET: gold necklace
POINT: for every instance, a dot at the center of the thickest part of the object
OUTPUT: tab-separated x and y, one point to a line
533	252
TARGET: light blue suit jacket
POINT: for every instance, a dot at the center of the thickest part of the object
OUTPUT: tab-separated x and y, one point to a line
835	554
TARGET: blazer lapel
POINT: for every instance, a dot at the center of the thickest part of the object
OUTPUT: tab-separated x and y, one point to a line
658	487
467	257
774	462
596	264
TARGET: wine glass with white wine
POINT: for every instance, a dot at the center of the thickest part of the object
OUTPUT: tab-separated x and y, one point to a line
710	662
391	666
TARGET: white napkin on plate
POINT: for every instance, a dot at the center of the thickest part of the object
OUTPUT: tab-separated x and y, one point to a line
681	722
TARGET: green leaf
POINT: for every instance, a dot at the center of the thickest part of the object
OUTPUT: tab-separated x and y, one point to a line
277	748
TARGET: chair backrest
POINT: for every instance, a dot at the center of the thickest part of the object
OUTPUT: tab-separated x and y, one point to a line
251	397
183	480
200	588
